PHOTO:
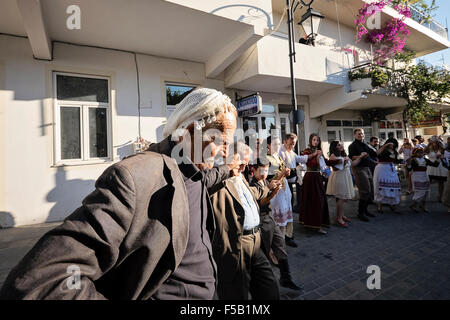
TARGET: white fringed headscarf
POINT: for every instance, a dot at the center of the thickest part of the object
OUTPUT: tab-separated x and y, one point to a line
197	107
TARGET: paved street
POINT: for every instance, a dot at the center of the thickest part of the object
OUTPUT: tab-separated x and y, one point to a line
412	250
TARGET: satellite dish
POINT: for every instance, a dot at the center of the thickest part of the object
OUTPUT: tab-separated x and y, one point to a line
297	117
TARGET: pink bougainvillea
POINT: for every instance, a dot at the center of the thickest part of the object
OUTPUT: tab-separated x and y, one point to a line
352	51
389	39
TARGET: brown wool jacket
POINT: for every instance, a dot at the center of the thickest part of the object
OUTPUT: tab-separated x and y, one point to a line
127	237
230	215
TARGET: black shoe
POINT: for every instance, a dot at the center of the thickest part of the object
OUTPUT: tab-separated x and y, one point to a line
362	207
370	214
290	242
288	283
363	218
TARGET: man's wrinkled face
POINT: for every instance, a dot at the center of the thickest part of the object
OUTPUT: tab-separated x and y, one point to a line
214	145
359	135
245	158
290	144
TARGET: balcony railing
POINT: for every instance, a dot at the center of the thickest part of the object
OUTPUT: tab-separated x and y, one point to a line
430	23
393	78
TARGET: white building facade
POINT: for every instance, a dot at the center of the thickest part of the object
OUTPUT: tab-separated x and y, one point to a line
73	101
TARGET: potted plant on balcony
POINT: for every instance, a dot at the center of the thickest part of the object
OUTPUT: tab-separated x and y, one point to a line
367	78
360	79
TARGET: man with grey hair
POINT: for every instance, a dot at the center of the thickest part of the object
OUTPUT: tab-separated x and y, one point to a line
243	268
139	235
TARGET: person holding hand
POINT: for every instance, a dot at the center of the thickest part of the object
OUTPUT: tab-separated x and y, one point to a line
387	187
359	150
340	184
314	206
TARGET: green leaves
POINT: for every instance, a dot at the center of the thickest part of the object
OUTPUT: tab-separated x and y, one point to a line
422	85
379	77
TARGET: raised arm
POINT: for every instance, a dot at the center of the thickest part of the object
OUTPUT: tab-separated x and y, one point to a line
214	176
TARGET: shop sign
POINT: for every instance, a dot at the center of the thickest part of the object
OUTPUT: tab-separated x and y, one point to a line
249	106
432	121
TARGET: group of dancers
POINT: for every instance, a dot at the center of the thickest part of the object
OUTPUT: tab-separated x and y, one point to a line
369	167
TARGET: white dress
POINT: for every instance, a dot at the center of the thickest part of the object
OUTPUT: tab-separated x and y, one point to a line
439	172
340	183
281	204
387	189
420	181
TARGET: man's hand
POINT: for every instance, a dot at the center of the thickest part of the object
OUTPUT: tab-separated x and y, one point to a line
286	172
234	165
364	155
275	191
274	184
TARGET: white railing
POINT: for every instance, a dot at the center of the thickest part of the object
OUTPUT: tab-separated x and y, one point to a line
431	24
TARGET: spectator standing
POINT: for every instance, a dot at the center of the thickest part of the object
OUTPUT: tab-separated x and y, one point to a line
434	151
406	150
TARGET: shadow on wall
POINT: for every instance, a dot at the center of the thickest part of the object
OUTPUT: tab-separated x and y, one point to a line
6	220
253	13
67	195
159	133
336	73
125	149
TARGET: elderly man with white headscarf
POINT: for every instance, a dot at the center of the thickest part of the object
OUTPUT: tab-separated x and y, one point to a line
145	232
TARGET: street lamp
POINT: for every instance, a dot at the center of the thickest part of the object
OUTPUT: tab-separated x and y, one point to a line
310	21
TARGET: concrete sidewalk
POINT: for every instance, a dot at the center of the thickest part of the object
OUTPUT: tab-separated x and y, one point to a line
411	249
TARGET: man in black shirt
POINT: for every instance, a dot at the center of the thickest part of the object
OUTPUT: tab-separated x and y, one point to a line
363	175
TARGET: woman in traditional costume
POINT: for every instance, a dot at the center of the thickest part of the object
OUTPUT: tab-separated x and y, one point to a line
418	164
281	203
387	189
314	206
340	183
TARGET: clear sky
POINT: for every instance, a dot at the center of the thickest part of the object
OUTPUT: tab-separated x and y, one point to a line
440	15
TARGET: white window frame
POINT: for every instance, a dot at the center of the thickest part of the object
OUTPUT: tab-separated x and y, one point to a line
84	123
174	83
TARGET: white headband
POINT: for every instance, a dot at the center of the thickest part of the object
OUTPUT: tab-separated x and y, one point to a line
197	107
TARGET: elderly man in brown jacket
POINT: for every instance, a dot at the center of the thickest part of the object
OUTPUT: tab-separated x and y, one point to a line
242	266
139	235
